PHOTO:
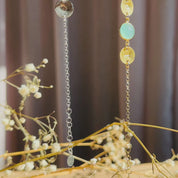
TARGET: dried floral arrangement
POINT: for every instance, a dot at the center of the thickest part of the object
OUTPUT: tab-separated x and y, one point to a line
40	152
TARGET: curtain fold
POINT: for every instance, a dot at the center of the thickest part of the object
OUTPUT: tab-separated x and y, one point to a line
34	32
159	75
175	80
94	66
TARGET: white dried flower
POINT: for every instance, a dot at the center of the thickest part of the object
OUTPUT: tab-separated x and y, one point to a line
121	136
109	128
130	134
137	161
114	166
43	163
8	172
37	95
124	166
112	154
34	88
30	67
52	168
20	167
29	166
170	162
36	80
7	112
55	148
5	121
116	127
36	144
11	122
32	138
45	146
93	161
47	137
118	162
108	161
123	151
111	146
24	90
109	139
22	120
9	160
121	128
45	61
132	162
128	145
10	129
27	148
99	140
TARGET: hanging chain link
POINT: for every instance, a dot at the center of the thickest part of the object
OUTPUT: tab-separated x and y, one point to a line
128	109
127	92
67	87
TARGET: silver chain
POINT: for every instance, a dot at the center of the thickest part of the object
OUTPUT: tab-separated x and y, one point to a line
67	87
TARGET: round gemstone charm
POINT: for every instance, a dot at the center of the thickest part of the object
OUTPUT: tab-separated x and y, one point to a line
64	8
70	161
127	7
127	55
127	31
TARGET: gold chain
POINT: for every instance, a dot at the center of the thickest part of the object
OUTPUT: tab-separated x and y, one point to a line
127	92
127	56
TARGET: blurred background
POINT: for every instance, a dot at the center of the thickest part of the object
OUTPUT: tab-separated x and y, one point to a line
31	31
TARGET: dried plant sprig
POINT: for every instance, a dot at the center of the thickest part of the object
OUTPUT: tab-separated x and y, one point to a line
153	158
100	133
16	119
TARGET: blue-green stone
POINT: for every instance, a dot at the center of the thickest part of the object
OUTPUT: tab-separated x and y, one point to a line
127	31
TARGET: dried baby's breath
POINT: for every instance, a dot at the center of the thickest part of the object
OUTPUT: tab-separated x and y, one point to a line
15	119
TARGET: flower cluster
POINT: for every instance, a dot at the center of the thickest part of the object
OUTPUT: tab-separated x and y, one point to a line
32	86
29	166
47	138
7	121
116	143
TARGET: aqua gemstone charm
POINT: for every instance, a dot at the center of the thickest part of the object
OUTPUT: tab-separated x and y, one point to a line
127	31
70	161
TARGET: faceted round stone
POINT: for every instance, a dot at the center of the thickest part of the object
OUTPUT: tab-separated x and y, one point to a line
127	7
70	161
127	31
64	8
127	55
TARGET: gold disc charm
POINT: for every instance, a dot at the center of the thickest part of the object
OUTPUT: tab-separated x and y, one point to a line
127	7
127	55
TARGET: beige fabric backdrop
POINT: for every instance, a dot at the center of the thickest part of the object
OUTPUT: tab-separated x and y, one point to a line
97	76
